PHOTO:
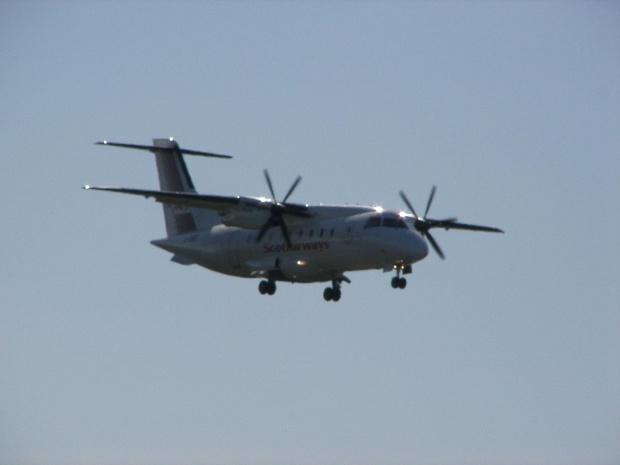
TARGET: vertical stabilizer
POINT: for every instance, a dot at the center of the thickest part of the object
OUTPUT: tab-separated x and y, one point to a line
174	177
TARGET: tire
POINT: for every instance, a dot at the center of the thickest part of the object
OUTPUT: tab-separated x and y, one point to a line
271	289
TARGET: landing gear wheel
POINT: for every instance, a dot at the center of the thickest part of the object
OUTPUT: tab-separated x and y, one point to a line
332	293
271	290
399	283
267	287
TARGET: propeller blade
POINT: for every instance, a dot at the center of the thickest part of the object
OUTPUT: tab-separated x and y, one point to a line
423	225
435	245
287	238
430	200
273	196
290	191
406	200
279	209
263	230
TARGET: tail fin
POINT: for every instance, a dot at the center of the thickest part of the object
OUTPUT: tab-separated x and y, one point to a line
174	177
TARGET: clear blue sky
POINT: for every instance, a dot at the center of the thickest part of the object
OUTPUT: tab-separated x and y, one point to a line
507	352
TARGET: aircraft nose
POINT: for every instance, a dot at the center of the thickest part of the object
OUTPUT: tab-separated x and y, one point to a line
417	247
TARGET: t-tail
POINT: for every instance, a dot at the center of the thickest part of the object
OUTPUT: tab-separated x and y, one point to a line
174	177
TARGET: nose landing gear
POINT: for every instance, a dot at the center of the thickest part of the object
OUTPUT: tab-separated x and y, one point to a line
397	281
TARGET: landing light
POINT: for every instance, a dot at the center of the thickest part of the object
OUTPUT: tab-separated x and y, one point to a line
302	262
379	209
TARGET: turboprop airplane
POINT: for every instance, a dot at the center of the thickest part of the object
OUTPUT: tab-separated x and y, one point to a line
257	237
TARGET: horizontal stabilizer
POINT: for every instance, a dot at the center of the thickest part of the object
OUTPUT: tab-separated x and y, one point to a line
152	148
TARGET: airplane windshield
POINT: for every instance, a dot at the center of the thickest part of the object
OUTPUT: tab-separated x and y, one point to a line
373	222
394	222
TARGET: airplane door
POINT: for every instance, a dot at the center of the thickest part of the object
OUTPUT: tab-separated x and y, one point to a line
234	240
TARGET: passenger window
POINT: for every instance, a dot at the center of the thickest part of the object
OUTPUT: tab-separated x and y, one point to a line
322	231
311	232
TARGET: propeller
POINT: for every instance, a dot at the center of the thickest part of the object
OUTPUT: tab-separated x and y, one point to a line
424	224
278	210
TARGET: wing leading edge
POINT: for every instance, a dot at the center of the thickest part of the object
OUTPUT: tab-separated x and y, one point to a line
185	199
219	203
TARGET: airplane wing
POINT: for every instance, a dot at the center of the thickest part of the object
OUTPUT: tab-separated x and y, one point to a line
451	224
217	203
209	202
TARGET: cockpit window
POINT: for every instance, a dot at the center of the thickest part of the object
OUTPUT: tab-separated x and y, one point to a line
385	221
373	222
394	222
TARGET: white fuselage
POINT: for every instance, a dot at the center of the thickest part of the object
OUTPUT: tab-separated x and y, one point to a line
337	240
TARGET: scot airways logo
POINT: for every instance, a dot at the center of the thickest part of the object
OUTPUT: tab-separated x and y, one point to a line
296	247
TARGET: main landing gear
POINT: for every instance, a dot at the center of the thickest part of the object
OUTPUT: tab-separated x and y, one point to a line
397	281
267	287
329	294
334	293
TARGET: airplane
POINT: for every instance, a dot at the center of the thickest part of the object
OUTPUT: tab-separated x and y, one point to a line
280	241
